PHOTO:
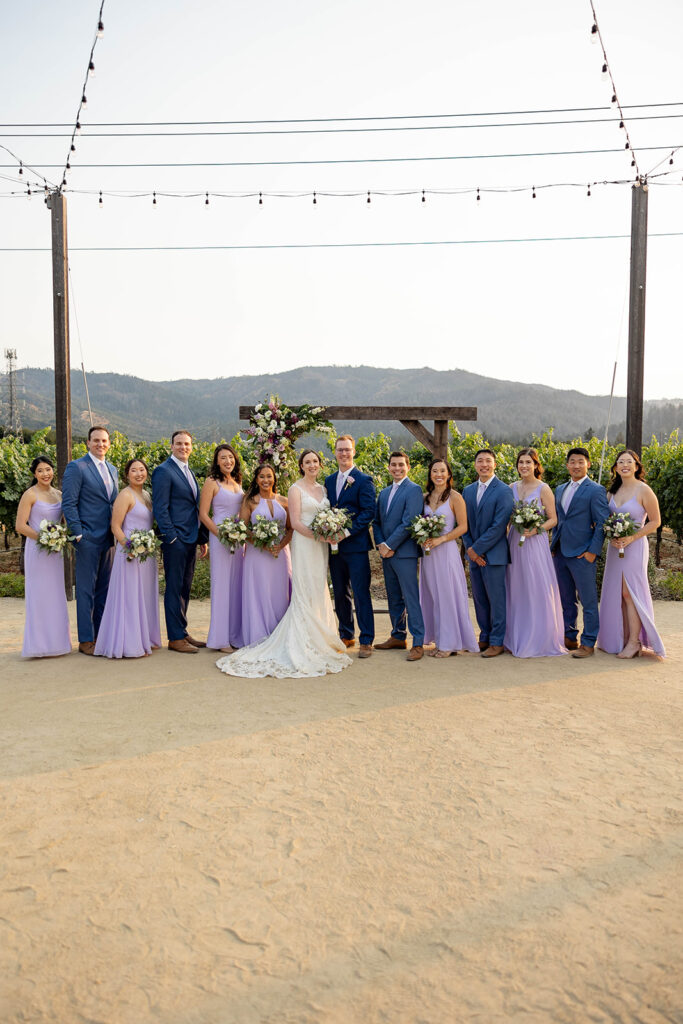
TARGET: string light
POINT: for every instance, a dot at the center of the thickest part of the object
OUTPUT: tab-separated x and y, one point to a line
28	192
78	127
607	74
315	199
73	148
594	33
100	29
424	198
588	193
604	73
260	199
100	204
368	199
478	195
154	199
21	167
206	201
84	101
91	69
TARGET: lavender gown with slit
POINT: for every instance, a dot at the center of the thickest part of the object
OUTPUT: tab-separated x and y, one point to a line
46	633
130	623
632	569
225	629
535	626
443	593
266	582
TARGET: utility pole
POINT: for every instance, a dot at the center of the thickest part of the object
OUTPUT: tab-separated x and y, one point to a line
636	317
60	304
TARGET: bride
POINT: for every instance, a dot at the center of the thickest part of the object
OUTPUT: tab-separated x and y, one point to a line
305	641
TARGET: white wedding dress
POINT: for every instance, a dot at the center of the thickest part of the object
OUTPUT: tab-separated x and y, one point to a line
305	641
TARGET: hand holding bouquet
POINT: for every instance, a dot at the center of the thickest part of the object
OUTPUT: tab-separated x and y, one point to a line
423	528
141	545
233	533
618	526
331	523
265	534
527	516
53	537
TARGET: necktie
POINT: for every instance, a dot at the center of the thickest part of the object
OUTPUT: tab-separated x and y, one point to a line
394	488
568	495
480	492
188	477
341	479
106	479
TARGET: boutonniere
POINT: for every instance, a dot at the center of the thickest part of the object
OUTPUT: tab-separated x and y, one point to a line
349	480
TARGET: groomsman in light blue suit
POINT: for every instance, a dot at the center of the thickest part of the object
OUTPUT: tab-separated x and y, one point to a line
489	505
577	541
397	505
89	489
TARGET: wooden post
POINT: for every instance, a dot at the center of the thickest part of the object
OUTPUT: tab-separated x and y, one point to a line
636	317
60	306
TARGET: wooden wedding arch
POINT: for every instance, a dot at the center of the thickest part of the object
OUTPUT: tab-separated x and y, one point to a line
410	416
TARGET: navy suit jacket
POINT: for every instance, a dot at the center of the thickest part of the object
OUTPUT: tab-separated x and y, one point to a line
579	529
85	502
487	522
358	498
392	527
176	508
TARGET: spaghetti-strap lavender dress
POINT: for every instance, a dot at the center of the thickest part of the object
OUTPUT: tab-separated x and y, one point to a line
130	623
46	633
266	582
535	626
632	568
225	629
443	593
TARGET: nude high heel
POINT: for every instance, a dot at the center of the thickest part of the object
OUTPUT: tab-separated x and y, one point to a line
631	650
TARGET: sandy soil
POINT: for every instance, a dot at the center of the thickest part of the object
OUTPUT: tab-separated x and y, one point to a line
445	841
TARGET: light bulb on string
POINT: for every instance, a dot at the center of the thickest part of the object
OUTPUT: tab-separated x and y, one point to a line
315	199
368	199
84	101
260	199
604	73
206	201
73	148
588	193
154	199
533	191
21	168
91	69
28	192
614	97
424	200
78	127
68	166
100	203
621	124
628	145
478	196
594	33
633	163
100	29
671	160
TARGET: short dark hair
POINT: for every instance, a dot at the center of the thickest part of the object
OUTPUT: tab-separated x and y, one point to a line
131	462
302	456
176	432
399	455
578	451
216	473
93	429
533	455
485	451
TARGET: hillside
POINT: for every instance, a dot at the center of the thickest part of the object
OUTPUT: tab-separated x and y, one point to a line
209	408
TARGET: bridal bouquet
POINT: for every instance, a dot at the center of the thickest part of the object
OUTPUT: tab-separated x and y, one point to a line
265	533
141	545
618	525
330	522
233	533
423	528
53	537
527	516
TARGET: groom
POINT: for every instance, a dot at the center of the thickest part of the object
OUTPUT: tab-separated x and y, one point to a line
350	489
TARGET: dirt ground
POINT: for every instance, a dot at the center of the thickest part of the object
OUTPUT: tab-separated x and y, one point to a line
433	843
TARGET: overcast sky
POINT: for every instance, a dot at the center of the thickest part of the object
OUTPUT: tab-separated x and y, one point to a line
553	312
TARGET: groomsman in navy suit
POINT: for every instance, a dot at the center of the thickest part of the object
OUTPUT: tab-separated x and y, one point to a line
175	498
577	541
397	506
89	489
350	489
489	505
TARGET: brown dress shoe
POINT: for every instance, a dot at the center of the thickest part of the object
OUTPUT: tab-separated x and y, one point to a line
87	647
415	653
483	645
365	650
182	646
492	651
348	641
571	645
391	644
193	642
583	652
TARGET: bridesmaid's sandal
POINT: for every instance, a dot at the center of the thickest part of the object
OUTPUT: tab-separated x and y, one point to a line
443	654
632	650
227	650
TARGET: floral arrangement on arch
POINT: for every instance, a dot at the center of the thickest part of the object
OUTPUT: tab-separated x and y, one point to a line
274	427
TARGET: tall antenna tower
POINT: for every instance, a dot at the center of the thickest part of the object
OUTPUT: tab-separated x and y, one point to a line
13	425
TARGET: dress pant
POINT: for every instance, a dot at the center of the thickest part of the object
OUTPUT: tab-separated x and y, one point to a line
350	574
489	595
403	595
93	569
179	562
577	577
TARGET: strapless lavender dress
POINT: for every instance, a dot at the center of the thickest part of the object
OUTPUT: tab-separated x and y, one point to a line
443	593
632	568
266	583
46	633
225	629
130	623
535	625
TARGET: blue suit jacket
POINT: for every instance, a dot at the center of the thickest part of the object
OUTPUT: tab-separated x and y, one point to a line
85	503
358	498
391	527
176	509
487	522
579	529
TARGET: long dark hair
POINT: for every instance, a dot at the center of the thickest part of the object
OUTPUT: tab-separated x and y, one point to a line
533	455
216	473
131	462
34	465
253	486
430	483
615	479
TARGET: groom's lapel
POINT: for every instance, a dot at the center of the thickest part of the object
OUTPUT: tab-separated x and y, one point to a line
180	475
94	471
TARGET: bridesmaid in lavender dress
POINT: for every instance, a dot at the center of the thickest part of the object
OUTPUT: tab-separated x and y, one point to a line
222	496
443	588
627	622
130	622
267	578
46	633
535	627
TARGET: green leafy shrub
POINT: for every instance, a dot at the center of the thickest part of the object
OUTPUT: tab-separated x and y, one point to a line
11	584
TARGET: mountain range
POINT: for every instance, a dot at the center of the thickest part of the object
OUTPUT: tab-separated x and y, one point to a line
147	410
